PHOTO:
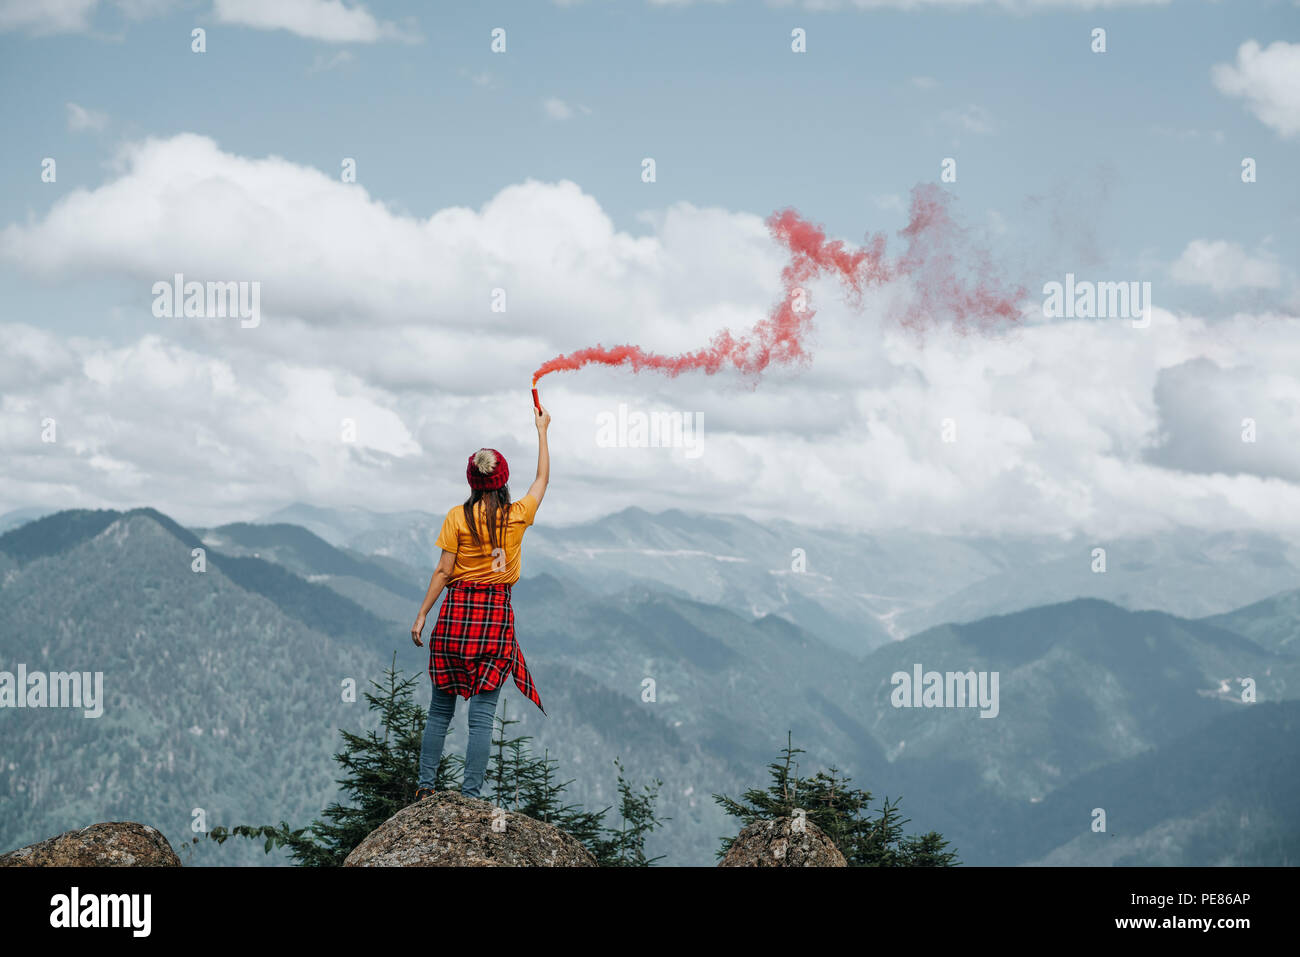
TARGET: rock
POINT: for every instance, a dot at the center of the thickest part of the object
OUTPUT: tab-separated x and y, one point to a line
112	844
448	829
778	844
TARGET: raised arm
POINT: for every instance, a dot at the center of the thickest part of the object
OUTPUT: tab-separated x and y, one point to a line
538	488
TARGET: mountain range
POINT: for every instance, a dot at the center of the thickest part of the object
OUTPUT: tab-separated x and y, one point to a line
653	641
856	592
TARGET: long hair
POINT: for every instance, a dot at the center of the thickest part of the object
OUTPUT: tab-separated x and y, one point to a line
496	512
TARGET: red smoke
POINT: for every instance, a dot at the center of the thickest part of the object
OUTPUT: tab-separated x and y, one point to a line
952	283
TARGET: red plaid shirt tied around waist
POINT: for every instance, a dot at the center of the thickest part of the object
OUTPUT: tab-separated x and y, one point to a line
473	648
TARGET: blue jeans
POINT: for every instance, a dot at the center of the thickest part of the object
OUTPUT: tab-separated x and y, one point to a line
482	709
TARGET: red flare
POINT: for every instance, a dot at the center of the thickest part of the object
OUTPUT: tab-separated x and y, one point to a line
953	281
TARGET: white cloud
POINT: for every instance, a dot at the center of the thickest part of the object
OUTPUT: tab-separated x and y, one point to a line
558	109
1149	438
138	422
331	255
1268	79
70	16
144	9
383	318
1225	267
47	16
1242	419
80	118
322	62
973	119
331	21
482	78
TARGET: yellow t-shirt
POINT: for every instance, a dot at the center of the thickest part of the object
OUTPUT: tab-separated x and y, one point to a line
477	562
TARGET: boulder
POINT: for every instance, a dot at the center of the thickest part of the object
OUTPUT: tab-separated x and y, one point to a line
448	829
112	844
783	843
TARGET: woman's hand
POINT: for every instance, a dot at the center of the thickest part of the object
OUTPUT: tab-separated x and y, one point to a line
542	418
416	629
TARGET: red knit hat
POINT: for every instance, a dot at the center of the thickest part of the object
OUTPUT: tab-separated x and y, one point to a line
492	480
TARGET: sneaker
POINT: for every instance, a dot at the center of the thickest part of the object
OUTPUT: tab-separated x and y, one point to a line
423	793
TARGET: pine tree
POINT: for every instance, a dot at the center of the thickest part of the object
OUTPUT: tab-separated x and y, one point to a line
381	772
381	769
625	846
528	785
842	812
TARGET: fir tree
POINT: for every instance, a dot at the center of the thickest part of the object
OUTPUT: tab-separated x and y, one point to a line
529	786
381	769
625	846
842	812
381	772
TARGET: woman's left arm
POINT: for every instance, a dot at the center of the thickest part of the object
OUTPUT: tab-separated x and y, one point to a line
436	584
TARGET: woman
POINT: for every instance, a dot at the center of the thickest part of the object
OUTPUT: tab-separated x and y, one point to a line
472	649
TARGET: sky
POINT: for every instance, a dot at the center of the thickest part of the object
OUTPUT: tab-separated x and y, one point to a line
427	218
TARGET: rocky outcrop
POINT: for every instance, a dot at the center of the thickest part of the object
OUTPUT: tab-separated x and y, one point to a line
451	830
112	844
783	842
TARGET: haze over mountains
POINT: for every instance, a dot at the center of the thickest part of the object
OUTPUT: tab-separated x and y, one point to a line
856	592
223	686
